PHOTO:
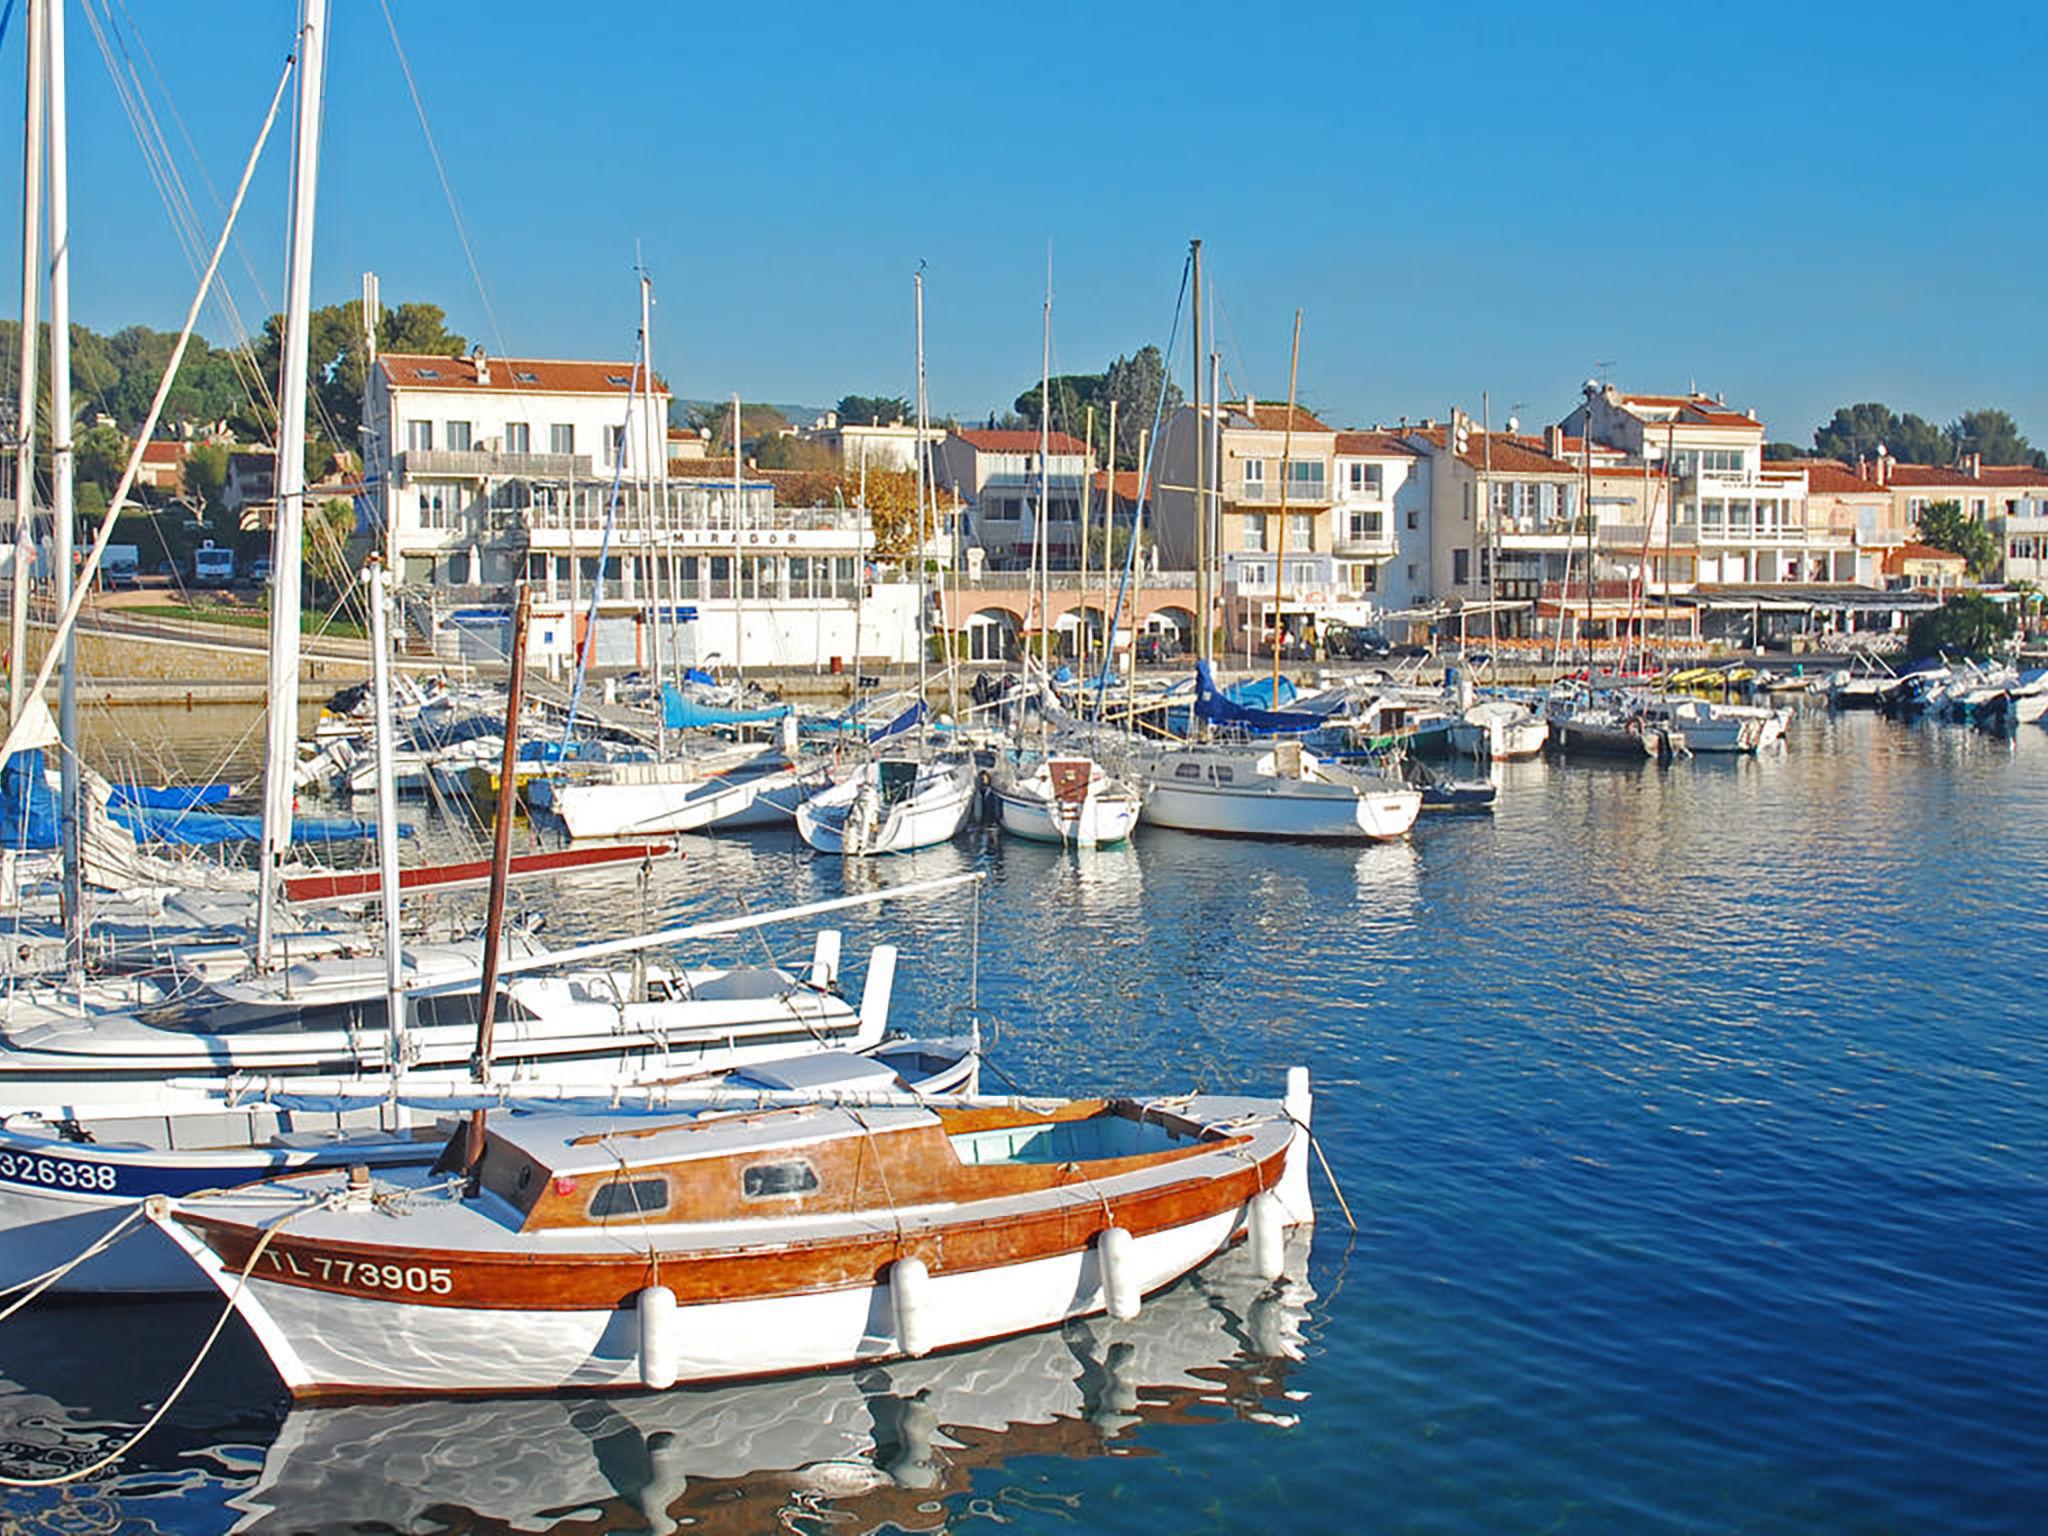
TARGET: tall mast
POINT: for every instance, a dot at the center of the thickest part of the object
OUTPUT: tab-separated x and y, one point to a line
1202	595
1489	529
651	562
25	423
377	580
61	475
282	741
1137	559
924	601
1041	552
1087	508
739	585
1109	536
1586	511
1280	557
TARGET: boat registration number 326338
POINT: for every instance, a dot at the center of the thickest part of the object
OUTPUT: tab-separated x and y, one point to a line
56	1172
363	1274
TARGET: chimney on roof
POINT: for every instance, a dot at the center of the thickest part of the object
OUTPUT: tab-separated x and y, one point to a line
483	365
1976	466
1884	464
1862	467
1429	423
1553	441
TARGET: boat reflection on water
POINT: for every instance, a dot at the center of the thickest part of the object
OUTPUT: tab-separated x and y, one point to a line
882	1446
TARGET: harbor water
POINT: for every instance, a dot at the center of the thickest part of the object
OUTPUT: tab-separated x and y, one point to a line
1694	1120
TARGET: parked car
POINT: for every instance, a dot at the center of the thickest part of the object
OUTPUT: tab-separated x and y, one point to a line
1158	645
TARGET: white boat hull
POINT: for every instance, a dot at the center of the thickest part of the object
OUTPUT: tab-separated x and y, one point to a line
590	810
1500	741
334	1343
1312	811
837	822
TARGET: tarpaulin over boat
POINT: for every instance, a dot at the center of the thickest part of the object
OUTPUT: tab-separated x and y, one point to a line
28	806
680	713
1219	708
155	824
901	723
174	797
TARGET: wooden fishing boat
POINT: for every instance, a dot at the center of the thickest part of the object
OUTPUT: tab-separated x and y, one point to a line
598	1253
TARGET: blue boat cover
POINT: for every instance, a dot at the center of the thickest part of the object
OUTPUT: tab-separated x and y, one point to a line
28	806
175	797
903	722
1219	708
201	829
681	714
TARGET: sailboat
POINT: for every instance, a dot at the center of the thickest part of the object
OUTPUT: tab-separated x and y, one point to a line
892	805
1067	798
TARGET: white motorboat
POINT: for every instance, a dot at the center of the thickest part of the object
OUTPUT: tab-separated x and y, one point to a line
1712	727
1499	730
893	805
1283	790
597	1255
1068	799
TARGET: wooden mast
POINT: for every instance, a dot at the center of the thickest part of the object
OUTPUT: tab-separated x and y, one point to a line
501	869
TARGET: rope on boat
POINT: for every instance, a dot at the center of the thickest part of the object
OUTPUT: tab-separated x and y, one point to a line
59	1479
1316	1146
35	1286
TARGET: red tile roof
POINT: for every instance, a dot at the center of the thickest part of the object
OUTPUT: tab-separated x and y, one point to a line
1516	455
994	440
165	451
1696	410
1127	482
1956	477
1268	416
1374	444
1831	477
410	370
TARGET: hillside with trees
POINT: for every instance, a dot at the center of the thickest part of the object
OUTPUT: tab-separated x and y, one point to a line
1857	431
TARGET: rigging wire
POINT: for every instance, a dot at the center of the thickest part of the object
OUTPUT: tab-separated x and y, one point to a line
419	106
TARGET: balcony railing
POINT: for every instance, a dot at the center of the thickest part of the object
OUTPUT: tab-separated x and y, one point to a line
477	463
1754	533
1266	493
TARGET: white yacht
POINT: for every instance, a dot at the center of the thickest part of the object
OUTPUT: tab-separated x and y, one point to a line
1500	730
1068	798
1282	790
894	805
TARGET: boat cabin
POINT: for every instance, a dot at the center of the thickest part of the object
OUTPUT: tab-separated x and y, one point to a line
557	1172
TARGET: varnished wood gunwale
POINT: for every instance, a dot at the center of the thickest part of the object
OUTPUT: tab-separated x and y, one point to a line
529	1281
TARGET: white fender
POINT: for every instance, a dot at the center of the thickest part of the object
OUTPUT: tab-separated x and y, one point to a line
1297	1206
1268	1227
875	990
910	1298
660	1336
825	959
1118	1266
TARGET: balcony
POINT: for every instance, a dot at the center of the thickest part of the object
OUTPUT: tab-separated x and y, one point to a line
1266	493
480	464
1757	533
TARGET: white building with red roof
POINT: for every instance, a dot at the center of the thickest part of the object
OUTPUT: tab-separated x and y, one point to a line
482	470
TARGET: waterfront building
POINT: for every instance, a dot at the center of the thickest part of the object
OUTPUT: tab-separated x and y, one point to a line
483	469
890	446
995	473
1505	492
2009	499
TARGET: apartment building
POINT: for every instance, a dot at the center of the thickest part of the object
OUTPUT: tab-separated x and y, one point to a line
997	474
2009	499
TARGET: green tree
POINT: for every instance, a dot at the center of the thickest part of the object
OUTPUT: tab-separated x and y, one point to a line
1858	431
1135	384
1778	451
1968	624
787	451
206	475
1072	394
100	454
1945	526
873	410
1995	435
757	421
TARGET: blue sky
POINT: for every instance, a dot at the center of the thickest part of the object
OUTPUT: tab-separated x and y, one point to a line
1797	205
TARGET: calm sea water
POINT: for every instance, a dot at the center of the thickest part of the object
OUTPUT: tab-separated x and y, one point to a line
1694	1121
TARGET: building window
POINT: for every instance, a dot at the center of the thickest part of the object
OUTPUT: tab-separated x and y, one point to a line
1461	567
518	437
562	437
1978	508
1721	461
615	445
459	436
1301	530
1365	479
1254	479
419	436
1414	521
1367	526
1305	480
1255	533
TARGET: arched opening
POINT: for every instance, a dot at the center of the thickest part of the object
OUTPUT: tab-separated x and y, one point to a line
992	635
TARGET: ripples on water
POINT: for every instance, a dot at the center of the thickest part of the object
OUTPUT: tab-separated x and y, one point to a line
1694	1119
